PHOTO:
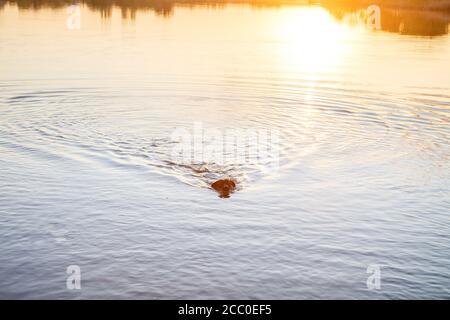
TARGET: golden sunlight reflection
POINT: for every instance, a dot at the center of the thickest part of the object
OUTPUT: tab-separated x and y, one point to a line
312	41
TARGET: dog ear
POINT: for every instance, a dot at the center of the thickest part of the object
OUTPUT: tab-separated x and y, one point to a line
233	183
217	185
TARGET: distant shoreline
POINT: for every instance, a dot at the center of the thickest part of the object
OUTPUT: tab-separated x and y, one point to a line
416	5
392	4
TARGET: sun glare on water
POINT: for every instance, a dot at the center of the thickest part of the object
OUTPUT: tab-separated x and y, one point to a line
311	40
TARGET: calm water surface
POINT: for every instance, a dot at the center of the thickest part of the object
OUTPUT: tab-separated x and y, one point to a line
86	179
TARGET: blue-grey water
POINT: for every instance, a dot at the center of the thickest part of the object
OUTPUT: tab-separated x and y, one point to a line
87	177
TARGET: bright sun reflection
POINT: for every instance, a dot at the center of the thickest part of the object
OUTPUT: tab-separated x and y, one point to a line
312	41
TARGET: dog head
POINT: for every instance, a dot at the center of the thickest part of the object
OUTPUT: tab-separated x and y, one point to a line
224	187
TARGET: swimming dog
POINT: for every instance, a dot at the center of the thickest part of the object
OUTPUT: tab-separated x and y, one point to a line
224	187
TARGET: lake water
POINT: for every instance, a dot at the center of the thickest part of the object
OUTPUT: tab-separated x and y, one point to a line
88	108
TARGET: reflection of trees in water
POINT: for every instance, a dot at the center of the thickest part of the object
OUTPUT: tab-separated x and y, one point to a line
129	7
403	20
396	16
424	23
